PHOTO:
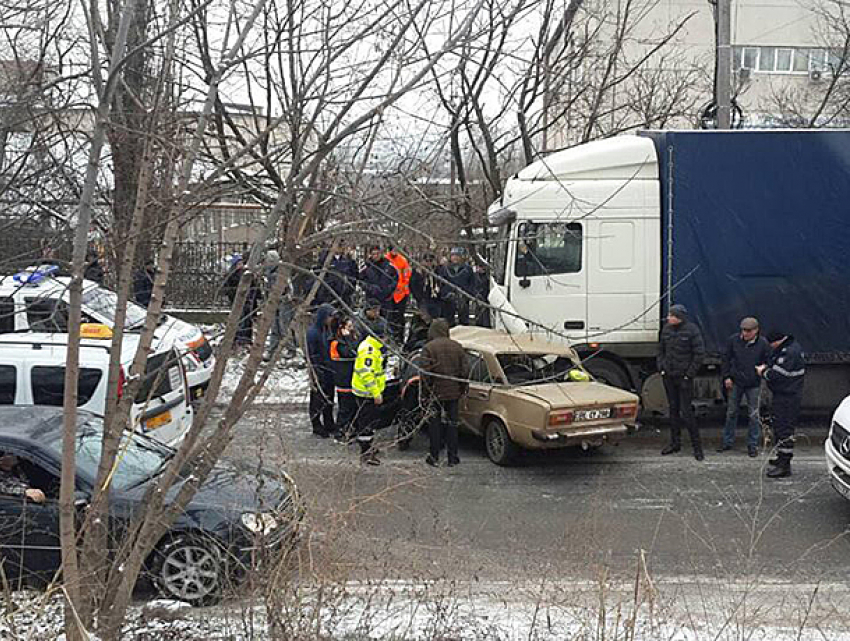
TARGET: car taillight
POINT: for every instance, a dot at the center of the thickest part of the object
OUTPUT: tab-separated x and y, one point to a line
626	411
121	380
561	417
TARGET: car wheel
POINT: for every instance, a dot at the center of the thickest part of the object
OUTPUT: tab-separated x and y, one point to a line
189	569
500	448
607	372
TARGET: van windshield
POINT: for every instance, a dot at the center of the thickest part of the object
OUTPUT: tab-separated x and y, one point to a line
103	303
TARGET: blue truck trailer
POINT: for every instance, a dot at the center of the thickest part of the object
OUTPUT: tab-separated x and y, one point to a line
598	240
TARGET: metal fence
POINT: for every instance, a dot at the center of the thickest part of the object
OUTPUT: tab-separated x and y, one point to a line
197	274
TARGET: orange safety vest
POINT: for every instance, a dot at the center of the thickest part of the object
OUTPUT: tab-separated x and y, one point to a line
402	289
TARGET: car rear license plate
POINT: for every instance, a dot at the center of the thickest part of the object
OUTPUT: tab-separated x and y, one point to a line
592	415
158	421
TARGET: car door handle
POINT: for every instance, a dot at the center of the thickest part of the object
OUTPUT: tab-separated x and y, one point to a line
574	324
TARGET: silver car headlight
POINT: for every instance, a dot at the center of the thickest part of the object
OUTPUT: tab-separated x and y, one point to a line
260	523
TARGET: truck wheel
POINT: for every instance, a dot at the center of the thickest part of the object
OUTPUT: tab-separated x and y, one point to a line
608	372
500	448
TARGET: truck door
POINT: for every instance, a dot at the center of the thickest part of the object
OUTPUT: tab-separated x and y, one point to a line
547	277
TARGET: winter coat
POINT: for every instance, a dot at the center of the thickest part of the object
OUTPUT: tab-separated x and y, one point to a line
786	369
365	325
343	353
379	280
426	288
318	348
444	357
339	280
231	285
461	276
681	350
402	268
143	286
740	360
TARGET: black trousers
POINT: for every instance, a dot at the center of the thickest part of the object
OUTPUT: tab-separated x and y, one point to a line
365	422
395	318
456	311
322	406
346	411
443	429
680	394
786	410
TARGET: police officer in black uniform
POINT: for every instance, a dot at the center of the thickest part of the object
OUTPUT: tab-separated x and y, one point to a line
784	373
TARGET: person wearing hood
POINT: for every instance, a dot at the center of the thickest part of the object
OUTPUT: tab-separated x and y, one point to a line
321	373
446	375
681	352
784	373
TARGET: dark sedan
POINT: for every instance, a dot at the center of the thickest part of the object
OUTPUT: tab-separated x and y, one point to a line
234	519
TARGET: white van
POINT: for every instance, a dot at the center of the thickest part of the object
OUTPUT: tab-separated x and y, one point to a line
32	372
36	300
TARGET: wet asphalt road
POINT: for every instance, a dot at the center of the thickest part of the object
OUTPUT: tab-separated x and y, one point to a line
566	513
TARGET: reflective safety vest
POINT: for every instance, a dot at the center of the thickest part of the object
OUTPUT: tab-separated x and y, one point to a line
369	378
402	289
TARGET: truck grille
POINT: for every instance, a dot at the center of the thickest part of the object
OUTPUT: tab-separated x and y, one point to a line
841	440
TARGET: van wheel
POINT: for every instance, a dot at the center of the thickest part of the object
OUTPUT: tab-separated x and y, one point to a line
609	373
500	448
188	568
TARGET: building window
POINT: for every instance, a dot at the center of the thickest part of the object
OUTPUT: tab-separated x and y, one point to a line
784	60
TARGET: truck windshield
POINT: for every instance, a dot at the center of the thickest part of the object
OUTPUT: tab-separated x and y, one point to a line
522	368
499	257
103	303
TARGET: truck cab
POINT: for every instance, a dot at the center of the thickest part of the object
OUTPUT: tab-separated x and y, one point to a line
580	245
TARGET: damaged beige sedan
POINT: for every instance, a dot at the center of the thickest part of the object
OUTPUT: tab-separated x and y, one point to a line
526	392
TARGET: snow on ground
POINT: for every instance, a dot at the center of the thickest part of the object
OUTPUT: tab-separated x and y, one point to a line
288	383
418	611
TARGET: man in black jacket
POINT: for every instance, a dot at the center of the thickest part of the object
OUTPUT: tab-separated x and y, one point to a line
681	353
784	373
379	279
745	351
455	298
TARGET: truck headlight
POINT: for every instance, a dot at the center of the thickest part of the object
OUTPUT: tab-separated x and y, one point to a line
259	523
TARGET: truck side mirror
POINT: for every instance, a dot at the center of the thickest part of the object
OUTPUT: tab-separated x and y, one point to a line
525	282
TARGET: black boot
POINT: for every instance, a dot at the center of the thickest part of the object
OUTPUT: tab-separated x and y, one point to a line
698	455
670	449
781	470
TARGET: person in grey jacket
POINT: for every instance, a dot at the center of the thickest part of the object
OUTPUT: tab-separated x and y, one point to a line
681	353
745	351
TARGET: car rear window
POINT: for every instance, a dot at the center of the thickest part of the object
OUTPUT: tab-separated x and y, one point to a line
48	384
7	315
159	380
8	384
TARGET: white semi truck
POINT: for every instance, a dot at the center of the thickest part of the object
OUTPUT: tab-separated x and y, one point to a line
595	242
